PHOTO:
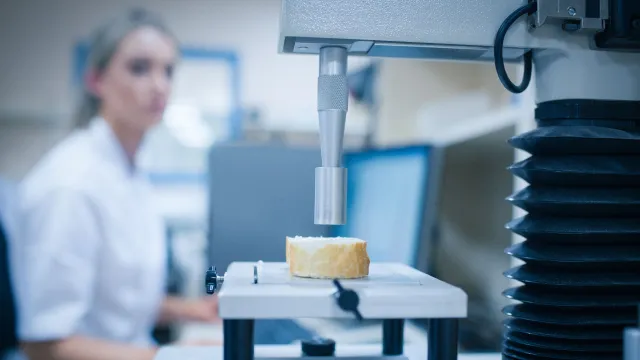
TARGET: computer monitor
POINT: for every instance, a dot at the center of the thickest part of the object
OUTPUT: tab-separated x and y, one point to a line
259	194
391	202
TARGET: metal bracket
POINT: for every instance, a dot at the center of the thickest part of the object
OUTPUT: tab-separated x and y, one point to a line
347	299
574	14
212	280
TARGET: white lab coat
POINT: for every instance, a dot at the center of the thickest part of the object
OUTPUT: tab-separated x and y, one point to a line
90	258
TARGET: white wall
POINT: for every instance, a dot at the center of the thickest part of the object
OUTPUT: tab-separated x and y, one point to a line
37	39
22	145
408	87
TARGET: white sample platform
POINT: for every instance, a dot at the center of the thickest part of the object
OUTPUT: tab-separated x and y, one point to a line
391	291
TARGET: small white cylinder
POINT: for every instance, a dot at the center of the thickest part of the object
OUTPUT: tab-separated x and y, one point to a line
331	196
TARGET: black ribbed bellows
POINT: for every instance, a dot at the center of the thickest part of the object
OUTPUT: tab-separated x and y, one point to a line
580	281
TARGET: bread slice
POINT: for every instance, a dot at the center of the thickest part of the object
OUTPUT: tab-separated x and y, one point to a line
327	258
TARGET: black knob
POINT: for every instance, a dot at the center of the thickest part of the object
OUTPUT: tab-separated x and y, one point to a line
212	281
318	347
347	299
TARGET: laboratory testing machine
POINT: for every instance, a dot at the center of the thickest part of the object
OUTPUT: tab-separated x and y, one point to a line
580	279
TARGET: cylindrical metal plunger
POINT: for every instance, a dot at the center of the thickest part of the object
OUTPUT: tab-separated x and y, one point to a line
331	193
331	178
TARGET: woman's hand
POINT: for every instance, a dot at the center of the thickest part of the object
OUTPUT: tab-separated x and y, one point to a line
85	348
201	342
202	310
190	310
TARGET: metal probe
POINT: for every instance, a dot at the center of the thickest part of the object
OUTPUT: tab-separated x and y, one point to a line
331	178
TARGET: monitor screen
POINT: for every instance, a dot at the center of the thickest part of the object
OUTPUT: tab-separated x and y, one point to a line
386	194
259	194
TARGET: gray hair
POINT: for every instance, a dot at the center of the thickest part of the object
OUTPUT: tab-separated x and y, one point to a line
103	46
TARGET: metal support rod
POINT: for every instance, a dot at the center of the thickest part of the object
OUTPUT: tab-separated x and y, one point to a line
392	336
238	339
333	99
443	339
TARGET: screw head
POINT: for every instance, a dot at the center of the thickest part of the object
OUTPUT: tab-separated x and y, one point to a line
212	280
572	11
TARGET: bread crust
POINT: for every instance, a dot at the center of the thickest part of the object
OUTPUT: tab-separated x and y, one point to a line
331	261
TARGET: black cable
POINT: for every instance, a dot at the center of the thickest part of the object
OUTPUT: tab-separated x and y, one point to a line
498	46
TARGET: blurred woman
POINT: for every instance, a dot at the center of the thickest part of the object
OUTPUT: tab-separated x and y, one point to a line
90	263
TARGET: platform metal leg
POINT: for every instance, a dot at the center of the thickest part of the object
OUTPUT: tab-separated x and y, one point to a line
238	339
443	339
392	336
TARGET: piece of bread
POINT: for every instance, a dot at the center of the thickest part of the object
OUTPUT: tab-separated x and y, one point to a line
327	258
